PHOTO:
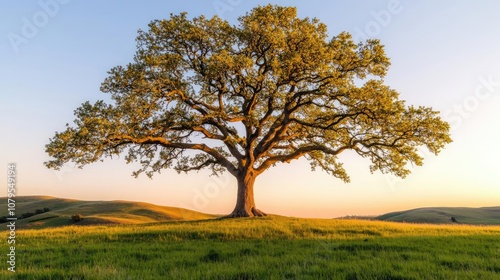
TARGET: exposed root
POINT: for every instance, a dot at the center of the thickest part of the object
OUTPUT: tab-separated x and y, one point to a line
239	213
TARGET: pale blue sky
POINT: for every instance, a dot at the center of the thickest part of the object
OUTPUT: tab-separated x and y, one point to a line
54	54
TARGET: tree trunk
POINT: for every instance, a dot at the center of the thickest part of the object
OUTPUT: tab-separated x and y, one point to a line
245	204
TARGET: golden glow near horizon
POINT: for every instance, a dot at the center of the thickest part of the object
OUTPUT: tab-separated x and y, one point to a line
444	56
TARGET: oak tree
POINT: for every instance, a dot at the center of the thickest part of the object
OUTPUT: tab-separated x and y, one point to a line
202	93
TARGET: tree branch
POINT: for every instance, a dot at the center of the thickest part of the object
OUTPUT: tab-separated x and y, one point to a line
168	144
299	153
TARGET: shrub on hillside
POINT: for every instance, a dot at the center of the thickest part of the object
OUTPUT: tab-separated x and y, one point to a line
77	217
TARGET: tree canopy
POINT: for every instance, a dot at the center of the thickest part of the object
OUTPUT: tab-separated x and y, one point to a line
202	93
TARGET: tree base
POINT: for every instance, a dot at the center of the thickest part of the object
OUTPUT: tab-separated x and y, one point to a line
239	213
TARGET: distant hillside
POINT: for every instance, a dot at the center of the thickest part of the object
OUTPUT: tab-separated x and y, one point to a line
94	212
443	215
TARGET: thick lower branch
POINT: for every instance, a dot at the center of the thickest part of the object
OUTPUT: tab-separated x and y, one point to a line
168	144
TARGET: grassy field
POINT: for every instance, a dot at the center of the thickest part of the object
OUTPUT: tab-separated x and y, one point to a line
261	248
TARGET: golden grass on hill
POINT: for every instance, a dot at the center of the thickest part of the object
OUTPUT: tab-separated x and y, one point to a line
94	212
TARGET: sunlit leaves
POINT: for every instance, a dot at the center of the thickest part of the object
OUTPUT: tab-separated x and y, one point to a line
202	93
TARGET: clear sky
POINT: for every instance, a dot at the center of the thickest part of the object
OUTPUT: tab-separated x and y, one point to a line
54	54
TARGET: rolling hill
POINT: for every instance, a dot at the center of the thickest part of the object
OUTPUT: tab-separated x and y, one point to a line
443	215
94	212
127	212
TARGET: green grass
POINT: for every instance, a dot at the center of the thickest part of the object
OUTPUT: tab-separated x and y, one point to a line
262	248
